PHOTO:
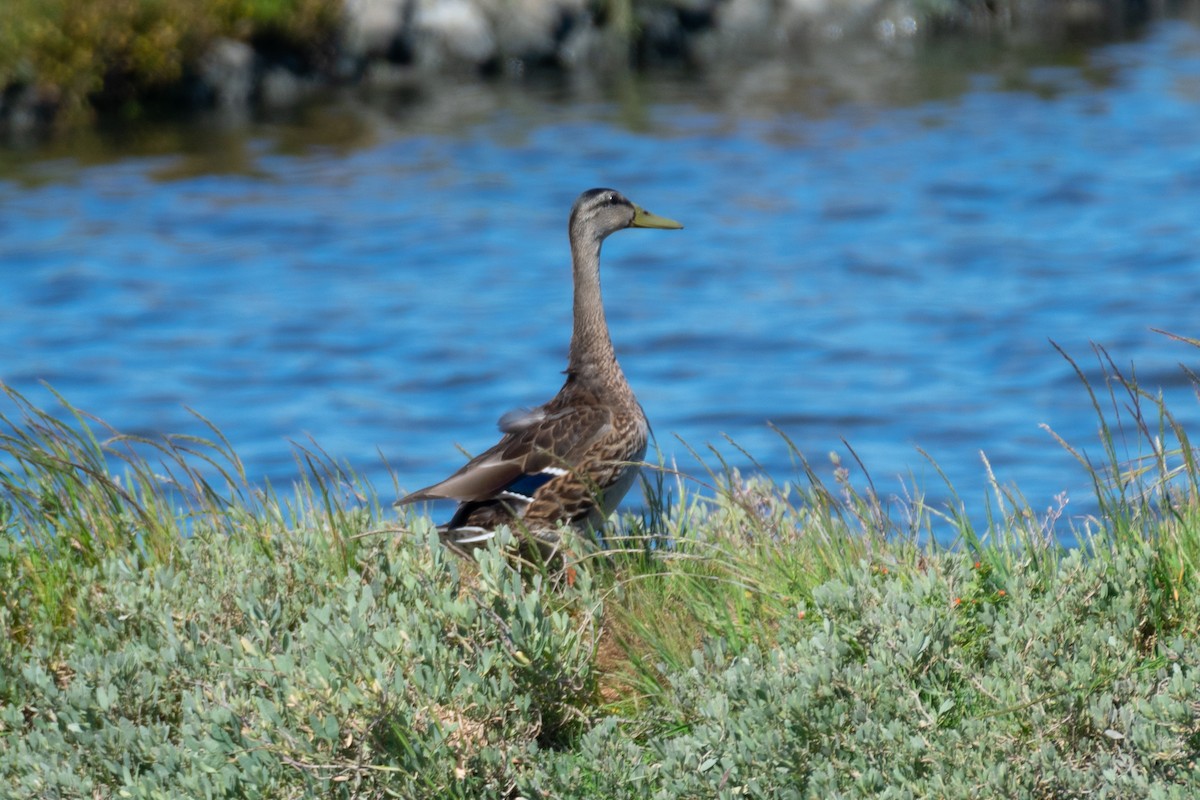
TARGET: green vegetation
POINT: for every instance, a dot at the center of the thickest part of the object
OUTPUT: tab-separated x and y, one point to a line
169	630
119	51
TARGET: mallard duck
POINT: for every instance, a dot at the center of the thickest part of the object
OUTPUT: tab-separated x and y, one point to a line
570	461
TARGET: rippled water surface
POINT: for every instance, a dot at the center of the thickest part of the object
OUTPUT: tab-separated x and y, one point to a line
888	272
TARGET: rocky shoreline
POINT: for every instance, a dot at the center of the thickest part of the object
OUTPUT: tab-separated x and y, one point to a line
389	43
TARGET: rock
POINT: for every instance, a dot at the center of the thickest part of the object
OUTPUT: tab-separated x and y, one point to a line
446	33
583	46
832	21
24	110
371	28
744	21
532	29
281	88
227	70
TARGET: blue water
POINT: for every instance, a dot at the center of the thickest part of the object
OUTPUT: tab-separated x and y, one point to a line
889	272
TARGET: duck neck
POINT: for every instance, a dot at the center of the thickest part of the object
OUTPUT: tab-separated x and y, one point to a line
591	352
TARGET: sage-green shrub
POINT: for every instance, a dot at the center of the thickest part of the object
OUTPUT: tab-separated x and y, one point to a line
929	684
244	670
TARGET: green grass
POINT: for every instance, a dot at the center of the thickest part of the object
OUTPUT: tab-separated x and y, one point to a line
169	629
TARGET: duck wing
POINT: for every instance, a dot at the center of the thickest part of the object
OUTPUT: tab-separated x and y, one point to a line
539	444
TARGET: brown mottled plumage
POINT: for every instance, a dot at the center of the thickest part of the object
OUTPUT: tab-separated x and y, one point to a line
571	460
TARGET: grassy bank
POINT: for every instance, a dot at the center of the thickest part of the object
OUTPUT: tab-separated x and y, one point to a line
175	631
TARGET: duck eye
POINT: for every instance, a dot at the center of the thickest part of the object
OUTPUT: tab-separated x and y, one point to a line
611	199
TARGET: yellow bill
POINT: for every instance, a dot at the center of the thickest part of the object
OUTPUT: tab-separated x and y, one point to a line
644	219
